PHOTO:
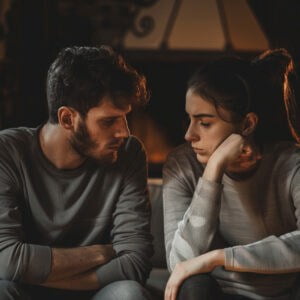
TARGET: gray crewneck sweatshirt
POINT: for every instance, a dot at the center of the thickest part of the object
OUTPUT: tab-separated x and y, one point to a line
256	220
43	207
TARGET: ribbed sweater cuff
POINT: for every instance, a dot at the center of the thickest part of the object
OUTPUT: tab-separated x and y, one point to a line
39	264
229	259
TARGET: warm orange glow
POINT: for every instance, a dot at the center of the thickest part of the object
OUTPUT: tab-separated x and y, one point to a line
153	137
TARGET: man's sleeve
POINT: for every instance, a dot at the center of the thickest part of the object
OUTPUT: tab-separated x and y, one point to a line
131	236
19	261
274	254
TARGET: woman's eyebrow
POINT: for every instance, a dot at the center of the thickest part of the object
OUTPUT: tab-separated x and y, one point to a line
203	116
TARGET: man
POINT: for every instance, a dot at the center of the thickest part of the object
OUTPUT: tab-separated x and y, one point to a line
74	215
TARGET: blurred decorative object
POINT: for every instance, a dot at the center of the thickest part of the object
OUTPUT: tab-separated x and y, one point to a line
4	7
148	29
244	31
6	70
96	21
207	25
184	25
198	26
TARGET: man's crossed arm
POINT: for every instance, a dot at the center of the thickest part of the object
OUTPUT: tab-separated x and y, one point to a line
73	268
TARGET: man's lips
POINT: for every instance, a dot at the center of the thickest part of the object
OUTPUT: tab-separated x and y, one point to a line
115	146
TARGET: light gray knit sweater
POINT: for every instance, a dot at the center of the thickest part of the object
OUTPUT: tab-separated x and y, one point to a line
256	220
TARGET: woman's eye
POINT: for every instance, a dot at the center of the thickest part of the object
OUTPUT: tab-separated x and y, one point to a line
204	124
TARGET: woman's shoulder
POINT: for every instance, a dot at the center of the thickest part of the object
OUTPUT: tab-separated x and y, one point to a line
182	154
284	149
284	155
183	159
181	150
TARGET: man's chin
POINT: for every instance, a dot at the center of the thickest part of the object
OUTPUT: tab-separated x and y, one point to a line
108	159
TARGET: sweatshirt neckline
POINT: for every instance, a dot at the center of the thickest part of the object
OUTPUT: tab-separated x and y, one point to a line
50	167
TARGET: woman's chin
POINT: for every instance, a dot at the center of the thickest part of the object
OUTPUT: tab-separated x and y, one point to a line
202	158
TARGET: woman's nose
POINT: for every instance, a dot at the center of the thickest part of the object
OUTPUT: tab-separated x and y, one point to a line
191	135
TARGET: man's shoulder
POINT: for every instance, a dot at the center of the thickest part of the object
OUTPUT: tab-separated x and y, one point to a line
16	139
133	144
17	134
131	151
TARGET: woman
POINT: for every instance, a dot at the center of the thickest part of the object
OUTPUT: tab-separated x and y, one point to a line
232	193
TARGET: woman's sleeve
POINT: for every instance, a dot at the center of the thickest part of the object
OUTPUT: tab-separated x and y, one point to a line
191	211
274	254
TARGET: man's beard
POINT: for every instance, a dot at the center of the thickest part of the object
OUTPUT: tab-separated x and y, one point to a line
82	143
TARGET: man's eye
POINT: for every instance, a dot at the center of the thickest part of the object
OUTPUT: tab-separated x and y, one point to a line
108	122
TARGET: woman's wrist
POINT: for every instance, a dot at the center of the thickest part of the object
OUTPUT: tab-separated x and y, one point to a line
214	258
214	170
206	262
218	257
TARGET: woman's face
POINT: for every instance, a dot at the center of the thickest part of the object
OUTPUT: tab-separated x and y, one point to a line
207	130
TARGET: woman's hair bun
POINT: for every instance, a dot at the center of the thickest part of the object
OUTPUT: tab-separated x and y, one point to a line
274	62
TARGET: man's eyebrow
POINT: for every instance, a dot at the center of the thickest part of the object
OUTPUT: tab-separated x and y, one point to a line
109	117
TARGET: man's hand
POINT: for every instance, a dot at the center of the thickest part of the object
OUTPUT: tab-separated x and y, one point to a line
107	253
82	282
202	264
68	262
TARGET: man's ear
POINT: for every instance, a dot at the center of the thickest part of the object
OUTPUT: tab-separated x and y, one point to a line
66	117
249	123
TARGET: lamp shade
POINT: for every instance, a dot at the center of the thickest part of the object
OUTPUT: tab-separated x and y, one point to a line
196	25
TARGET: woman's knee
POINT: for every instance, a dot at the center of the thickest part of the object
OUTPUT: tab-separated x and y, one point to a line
123	290
11	291
201	286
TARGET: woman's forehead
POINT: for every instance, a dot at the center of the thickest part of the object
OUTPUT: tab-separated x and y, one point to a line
197	105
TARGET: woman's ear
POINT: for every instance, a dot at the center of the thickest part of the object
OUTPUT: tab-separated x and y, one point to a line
249	124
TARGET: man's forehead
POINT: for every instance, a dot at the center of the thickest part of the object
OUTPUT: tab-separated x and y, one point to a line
108	108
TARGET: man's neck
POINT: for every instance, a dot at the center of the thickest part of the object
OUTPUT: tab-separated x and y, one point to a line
55	146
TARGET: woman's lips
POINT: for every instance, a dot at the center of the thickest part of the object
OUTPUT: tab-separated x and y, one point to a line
199	151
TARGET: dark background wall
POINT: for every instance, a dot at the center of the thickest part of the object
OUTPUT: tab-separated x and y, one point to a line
38	29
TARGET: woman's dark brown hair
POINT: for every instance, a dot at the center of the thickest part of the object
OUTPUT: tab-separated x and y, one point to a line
264	86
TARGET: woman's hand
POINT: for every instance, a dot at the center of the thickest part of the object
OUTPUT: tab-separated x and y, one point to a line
204	263
234	154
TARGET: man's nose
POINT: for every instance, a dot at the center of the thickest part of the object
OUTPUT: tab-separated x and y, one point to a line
122	131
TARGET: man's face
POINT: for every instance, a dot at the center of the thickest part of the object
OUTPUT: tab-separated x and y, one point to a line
207	130
100	135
